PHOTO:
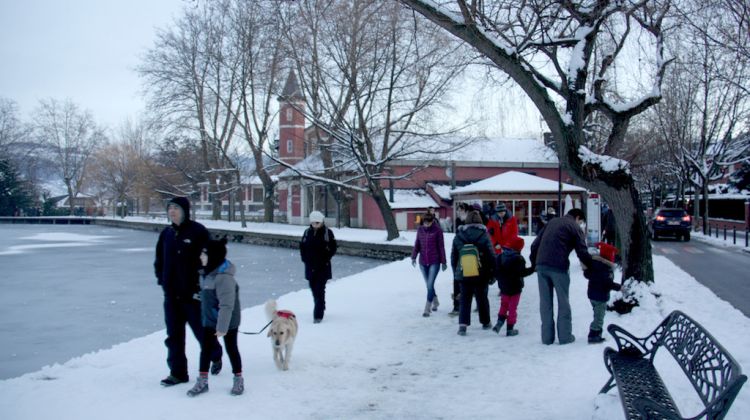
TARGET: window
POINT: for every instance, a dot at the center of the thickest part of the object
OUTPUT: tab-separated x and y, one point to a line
289	114
257	195
289	146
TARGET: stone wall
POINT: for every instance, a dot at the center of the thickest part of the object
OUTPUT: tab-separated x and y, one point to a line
389	252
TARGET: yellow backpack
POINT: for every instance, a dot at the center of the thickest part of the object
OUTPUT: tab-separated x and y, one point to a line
469	260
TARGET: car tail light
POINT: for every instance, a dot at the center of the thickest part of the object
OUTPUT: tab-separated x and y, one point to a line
686	218
660	218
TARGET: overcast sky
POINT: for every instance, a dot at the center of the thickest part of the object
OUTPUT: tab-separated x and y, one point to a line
85	50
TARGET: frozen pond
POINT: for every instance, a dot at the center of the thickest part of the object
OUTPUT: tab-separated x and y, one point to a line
71	290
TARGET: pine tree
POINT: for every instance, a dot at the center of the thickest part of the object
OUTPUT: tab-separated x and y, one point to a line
14	191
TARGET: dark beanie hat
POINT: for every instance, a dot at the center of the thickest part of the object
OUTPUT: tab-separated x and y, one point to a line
184	203
501	207
217	253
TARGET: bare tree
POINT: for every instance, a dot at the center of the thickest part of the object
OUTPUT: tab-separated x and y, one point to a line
565	56
707	100
373	76
193	86
12	131
175	171
120	167
72	136
257	45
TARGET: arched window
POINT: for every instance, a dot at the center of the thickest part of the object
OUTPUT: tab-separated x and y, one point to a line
289	146
289	114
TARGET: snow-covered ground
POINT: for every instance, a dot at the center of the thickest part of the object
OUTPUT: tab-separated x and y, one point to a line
375	357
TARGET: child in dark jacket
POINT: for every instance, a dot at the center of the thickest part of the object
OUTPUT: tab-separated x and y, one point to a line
601	281
511	271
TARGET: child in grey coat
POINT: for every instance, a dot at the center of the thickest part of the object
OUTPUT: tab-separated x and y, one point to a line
220	312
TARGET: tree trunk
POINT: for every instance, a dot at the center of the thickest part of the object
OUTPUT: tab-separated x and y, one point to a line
385	210
705	206
241	199
632	229
71	206
346	214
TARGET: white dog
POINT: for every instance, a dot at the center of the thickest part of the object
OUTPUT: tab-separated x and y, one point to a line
283	331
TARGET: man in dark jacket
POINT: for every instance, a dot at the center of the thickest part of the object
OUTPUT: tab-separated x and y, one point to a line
316	249
473	232
549	255
176	267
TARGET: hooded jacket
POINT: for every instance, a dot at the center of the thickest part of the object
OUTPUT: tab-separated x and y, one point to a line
178	255
220	298
476	234
511	270
601	278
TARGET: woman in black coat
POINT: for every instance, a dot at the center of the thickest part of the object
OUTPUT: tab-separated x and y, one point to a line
317	247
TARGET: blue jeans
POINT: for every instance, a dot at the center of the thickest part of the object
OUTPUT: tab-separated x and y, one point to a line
430	272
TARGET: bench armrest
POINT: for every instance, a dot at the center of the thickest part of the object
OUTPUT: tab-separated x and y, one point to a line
628	343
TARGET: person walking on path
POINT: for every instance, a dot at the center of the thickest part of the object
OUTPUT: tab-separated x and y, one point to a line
511	271
549	255
430	247
473	233
316	249
463	211
220	310
601	280
176	268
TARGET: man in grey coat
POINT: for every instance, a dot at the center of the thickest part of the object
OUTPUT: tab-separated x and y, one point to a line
550	253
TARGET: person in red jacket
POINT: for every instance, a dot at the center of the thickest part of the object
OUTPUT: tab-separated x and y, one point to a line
493	228
508	225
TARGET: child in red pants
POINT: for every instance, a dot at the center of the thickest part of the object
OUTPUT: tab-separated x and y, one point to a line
511	271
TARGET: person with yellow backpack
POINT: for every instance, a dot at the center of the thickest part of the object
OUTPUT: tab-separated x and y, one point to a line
473	260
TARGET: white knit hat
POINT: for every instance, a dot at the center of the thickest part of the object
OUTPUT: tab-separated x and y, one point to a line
316	216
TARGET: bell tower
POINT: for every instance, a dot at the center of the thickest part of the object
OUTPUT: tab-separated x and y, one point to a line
291	121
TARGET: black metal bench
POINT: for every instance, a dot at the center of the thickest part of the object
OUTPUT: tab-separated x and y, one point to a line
712	371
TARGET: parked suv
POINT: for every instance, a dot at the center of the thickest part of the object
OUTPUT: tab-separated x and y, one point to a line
672	222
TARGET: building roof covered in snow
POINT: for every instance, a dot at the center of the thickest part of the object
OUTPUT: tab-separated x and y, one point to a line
514	182
411	199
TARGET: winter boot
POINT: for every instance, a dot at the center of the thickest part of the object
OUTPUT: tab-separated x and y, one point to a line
486	326
462	330
595	336
427	309
238	385
454	312
511	331
435	304
201	385
499	325
173	380
216	367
